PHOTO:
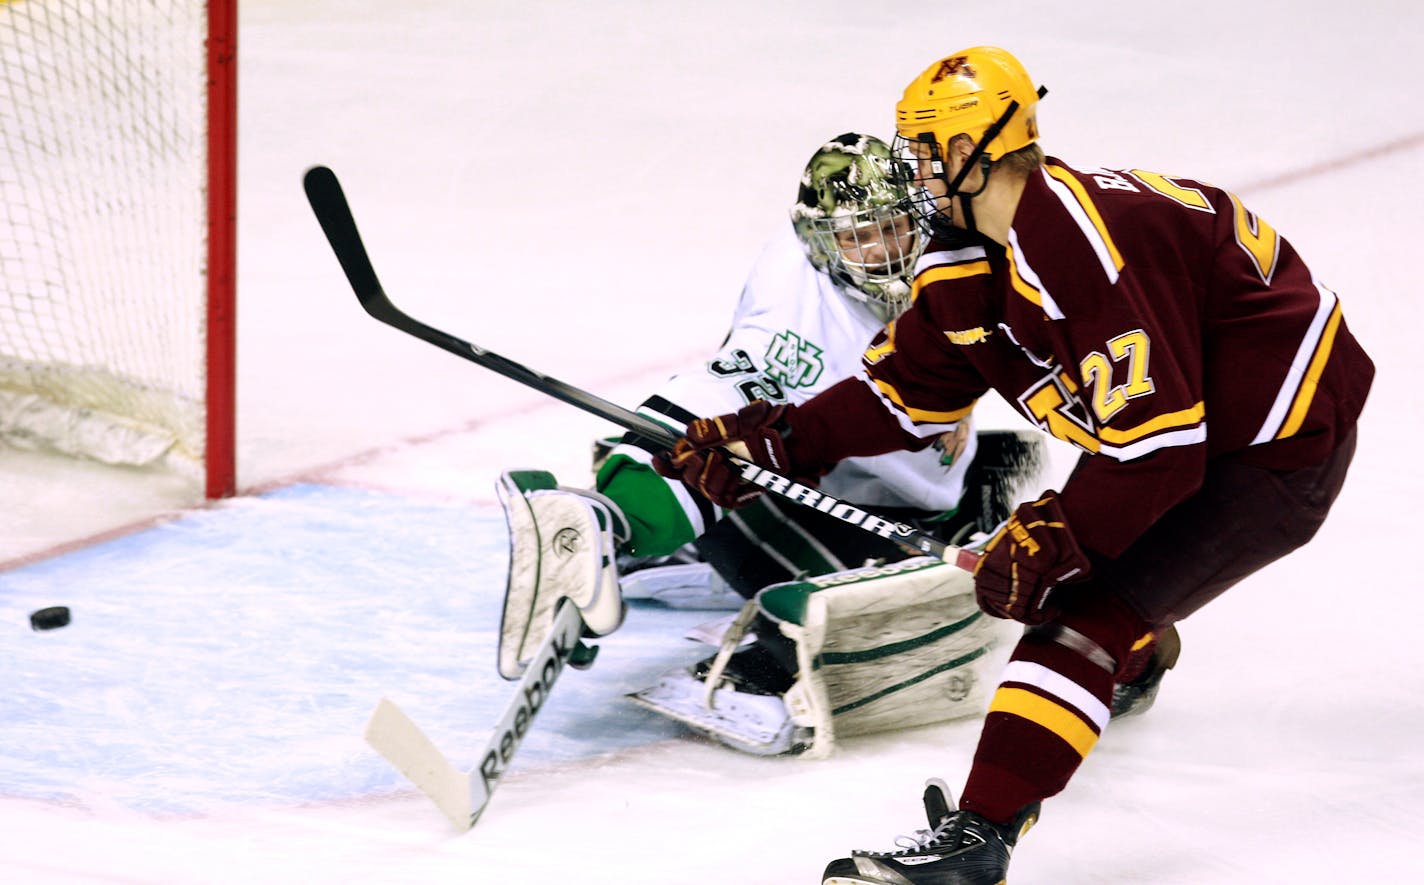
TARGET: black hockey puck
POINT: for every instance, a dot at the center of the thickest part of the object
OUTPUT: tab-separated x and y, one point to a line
51	618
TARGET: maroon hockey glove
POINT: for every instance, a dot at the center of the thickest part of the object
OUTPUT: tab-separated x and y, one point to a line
755	433
1033	552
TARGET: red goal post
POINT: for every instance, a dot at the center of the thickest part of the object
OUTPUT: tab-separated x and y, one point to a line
118	162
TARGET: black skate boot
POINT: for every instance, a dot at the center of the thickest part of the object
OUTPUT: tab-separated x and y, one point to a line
1135	697
960	848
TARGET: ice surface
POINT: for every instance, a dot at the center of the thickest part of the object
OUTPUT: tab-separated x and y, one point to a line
581	187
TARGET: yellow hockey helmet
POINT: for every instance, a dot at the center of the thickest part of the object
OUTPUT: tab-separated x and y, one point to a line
970	92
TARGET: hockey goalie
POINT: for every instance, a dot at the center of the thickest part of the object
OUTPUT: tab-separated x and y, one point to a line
839	631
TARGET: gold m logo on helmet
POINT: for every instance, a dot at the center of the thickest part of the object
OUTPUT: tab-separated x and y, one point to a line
953	67
978	92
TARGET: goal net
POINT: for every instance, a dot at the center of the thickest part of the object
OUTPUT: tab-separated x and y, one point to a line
116	231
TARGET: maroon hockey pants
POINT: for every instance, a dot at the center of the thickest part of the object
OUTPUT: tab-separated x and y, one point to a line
1053	700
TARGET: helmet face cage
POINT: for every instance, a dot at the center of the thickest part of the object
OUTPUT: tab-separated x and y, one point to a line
917	162
855	220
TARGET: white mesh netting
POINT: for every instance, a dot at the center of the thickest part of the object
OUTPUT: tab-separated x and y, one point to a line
103	227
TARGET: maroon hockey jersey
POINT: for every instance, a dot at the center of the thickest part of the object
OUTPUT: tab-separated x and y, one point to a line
1154	322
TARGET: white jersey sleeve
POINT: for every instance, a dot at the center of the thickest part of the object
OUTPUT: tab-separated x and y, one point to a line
794	334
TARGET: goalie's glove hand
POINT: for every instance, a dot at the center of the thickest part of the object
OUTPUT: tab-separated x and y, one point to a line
756	433
1032	553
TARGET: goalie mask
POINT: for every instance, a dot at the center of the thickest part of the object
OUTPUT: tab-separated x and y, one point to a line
983	93
854	218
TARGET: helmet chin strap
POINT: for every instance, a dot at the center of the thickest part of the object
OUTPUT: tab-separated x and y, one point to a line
978	158
966	200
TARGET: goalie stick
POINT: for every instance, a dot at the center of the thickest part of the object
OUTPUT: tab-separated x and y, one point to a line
329	203
463	796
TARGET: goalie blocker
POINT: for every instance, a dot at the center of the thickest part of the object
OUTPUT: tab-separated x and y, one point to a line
561	545
878	649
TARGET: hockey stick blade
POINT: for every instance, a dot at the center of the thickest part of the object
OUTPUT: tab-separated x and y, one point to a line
392	734
332	210
463	796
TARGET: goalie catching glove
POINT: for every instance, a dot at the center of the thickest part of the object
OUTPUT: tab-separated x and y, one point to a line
758	432
1033	552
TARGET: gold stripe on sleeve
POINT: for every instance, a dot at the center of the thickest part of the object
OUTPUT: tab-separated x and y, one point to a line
1185	418
920	416
1306	393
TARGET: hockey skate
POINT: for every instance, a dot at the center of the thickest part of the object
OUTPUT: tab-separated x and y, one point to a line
1135	696
959	848
745	710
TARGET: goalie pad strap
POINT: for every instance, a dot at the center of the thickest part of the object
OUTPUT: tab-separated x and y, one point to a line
1075	641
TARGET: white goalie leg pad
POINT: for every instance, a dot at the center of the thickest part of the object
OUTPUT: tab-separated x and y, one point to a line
886	647
877	649
561	545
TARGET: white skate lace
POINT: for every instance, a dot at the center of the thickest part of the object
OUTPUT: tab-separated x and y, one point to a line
922	839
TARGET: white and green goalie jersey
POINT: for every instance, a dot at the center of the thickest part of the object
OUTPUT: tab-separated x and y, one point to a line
794	334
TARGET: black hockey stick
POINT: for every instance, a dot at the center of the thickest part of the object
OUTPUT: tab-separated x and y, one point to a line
329	203
334	213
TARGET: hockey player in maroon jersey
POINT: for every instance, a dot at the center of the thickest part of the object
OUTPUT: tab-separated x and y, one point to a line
1154	322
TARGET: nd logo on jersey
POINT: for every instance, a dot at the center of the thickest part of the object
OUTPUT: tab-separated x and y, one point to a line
794	361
